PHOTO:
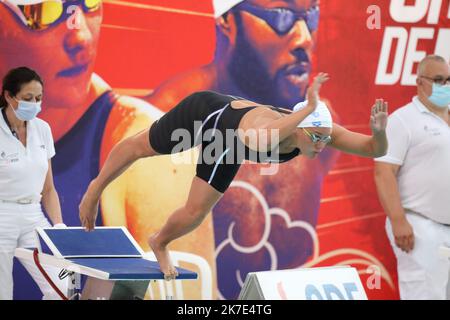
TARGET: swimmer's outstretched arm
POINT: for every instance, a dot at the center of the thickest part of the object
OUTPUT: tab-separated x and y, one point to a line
124	154
288	124
360	144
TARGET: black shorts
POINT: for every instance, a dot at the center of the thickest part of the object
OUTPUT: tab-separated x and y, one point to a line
202	115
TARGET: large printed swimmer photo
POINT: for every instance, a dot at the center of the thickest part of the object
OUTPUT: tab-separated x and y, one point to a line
113	68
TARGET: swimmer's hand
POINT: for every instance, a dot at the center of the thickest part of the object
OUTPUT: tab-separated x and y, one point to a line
312	95
88	209
379	116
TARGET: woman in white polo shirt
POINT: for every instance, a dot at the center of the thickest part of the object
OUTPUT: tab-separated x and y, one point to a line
26	181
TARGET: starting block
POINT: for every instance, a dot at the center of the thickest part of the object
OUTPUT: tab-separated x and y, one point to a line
109	257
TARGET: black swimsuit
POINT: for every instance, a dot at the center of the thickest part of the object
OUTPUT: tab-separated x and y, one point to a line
207	118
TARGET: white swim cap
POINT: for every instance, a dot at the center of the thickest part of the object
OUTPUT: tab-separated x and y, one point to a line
321	117
222	6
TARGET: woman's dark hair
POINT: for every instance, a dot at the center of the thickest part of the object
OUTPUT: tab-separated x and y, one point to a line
15	79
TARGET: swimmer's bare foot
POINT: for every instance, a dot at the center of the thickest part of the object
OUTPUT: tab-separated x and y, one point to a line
162	255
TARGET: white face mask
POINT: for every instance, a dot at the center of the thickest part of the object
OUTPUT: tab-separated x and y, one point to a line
26	110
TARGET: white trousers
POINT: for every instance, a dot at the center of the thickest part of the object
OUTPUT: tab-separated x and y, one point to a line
422	273
17	230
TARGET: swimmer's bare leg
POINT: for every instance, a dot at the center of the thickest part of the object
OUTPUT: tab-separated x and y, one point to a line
202	197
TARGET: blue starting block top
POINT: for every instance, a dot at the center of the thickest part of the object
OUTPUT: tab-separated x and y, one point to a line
130	268
109	250
76	242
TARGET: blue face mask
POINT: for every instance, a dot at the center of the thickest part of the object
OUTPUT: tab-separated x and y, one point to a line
27	111
440	96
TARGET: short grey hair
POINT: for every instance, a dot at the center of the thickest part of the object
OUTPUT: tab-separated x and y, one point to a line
424	62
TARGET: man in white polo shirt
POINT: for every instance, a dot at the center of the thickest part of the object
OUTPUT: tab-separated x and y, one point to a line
413	183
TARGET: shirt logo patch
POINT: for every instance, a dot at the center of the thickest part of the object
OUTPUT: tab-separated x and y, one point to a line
432	131
8	159
42	146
